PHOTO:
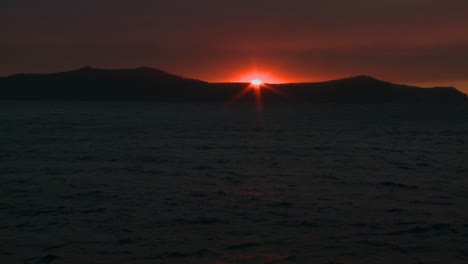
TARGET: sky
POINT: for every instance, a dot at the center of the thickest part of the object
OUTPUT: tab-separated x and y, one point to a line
418	42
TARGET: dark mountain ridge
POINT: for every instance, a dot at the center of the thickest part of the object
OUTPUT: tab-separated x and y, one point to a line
368	89
148	84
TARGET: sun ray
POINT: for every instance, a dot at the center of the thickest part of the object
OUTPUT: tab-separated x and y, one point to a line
259	102
239	95
256	86
275	90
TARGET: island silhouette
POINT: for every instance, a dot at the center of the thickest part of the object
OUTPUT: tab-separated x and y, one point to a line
148	84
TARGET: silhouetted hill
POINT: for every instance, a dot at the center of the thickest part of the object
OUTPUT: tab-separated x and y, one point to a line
98	84
369	89
147	84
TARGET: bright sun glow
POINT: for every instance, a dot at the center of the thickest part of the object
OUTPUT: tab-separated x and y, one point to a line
256	82
263	76
260	82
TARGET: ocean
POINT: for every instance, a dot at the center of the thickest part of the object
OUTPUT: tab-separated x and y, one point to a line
130	182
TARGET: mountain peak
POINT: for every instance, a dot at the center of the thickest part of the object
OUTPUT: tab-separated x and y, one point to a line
147	71
360	81
144	68
365	77
86	68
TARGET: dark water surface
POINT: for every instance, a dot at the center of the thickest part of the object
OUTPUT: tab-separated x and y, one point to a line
203	183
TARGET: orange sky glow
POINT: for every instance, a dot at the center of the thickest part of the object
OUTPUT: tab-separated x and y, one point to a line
415	42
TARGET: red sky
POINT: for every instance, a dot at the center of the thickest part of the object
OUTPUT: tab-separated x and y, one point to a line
414	41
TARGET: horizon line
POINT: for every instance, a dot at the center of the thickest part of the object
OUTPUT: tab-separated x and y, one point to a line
212	82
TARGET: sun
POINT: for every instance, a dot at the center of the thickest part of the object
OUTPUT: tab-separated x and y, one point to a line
256	82
257	87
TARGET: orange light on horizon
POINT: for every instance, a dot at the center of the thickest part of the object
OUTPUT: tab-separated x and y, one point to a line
255	86
259	76
256	82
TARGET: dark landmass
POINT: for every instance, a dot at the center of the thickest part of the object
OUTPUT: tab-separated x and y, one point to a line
147	84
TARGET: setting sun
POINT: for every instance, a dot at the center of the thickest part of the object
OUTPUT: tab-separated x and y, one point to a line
258	78
256	82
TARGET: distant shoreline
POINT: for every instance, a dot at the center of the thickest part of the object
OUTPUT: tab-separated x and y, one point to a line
147	84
